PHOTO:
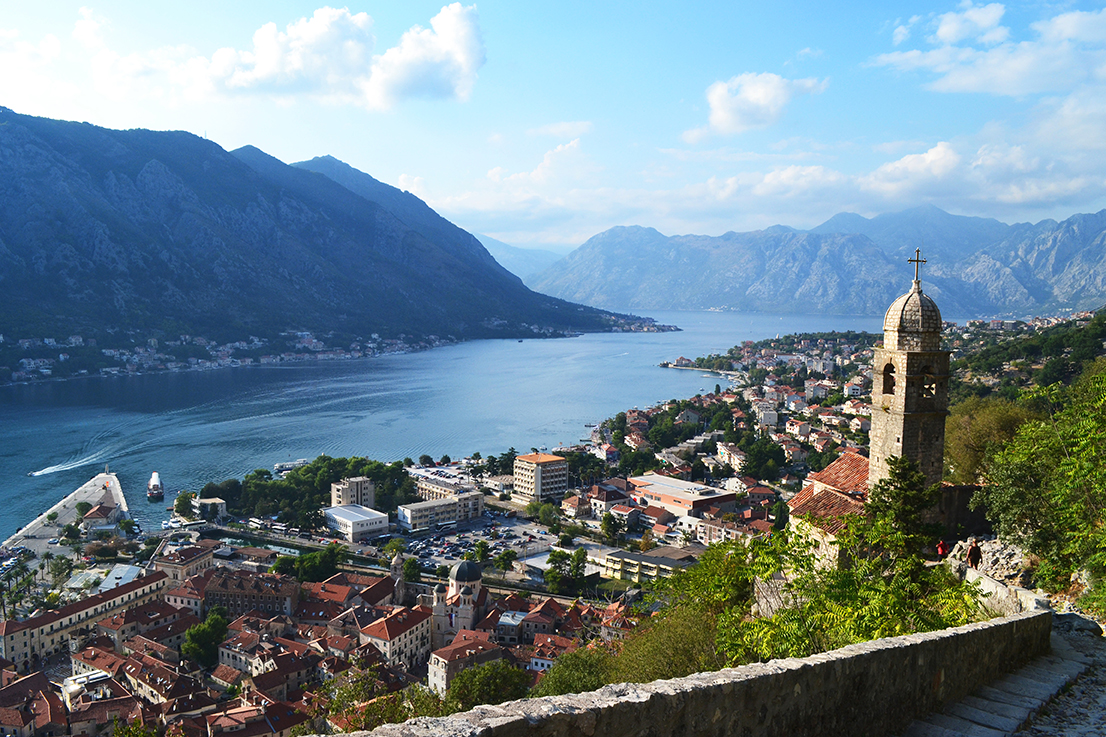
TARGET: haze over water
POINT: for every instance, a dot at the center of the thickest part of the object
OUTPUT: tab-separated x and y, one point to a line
485	396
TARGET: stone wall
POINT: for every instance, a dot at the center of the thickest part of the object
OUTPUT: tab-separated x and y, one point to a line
873	688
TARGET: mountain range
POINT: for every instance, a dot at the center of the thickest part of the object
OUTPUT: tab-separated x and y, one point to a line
166	231
848	265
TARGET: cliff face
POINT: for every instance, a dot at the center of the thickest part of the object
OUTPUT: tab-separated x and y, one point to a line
165	230
848	265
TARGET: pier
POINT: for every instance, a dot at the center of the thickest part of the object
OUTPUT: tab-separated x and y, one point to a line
101	488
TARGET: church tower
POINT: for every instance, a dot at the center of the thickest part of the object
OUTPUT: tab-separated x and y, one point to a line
910	392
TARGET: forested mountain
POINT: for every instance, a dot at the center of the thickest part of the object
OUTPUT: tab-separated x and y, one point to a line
166	231
847	265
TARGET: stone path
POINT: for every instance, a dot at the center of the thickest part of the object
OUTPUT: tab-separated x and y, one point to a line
1080	711
1021	698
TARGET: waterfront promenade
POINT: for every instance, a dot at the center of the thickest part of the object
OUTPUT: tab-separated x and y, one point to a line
36	534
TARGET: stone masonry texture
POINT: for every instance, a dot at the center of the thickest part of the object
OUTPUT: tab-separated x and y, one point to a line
873	688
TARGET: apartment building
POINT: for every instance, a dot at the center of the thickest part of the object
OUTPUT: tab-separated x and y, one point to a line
540	476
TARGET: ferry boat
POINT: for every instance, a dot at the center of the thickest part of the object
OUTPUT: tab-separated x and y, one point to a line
154	490
282	468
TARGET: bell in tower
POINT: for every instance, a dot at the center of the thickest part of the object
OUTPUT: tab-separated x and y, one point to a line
910	392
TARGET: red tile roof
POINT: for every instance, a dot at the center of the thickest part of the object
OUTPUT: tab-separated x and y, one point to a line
848	474
396	623
825	508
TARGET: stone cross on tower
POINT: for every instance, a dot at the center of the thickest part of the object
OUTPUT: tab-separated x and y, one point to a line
917	261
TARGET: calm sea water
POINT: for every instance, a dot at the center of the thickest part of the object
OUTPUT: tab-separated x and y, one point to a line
484	396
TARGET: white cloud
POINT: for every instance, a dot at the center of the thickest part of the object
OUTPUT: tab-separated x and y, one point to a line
979	22
324	52
1081	26
974	53
791	181
913	172
750	101
326	57
568	129
440	61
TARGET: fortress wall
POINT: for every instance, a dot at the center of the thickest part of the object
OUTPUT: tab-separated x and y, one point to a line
874	688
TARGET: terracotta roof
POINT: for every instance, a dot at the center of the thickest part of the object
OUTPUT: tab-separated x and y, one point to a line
183	555
328	592
396	623
848	474
825	508
465	649
539	458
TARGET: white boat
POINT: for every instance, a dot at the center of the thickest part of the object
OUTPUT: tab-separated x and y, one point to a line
154	489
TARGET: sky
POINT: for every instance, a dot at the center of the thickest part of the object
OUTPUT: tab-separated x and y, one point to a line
543	124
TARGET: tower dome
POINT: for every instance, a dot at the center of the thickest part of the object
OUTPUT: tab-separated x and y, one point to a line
912	322
465	572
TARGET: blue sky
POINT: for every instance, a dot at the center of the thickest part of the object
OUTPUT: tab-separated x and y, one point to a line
542	124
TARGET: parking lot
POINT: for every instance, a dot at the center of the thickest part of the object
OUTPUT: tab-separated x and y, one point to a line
447	547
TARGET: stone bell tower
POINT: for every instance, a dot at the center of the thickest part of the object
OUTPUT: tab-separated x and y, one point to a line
910	392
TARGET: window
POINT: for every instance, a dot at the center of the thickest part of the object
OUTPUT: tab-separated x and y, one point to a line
889	379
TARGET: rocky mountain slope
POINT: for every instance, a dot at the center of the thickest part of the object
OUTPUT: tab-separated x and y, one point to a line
847	265
144	230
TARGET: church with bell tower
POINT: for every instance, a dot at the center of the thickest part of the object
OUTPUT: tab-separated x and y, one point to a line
910	386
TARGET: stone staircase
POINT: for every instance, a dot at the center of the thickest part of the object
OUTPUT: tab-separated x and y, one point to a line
1005	705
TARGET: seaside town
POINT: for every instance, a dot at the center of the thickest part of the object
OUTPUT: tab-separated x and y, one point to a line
29	359
230	621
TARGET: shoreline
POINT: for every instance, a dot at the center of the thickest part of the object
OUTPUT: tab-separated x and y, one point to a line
313	359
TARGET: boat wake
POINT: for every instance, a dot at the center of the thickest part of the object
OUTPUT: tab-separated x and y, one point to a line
69	465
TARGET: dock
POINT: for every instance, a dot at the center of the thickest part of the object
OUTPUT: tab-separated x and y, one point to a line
101	488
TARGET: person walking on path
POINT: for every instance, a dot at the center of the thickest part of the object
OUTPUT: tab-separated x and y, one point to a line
975	555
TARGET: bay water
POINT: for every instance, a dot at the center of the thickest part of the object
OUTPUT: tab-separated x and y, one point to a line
194	427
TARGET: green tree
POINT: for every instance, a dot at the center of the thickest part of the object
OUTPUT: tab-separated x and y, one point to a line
647	542
71	532
549	514
83	508
442	571
445	460
876	588
128	526
201	641
52	517
132	729
320	565
903	499
426	460
781	512
557	577
394	547
482	550
285	564
612	528
412	571
974	428
577	566
183	505
491	683
506	559
579	671
1046	488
